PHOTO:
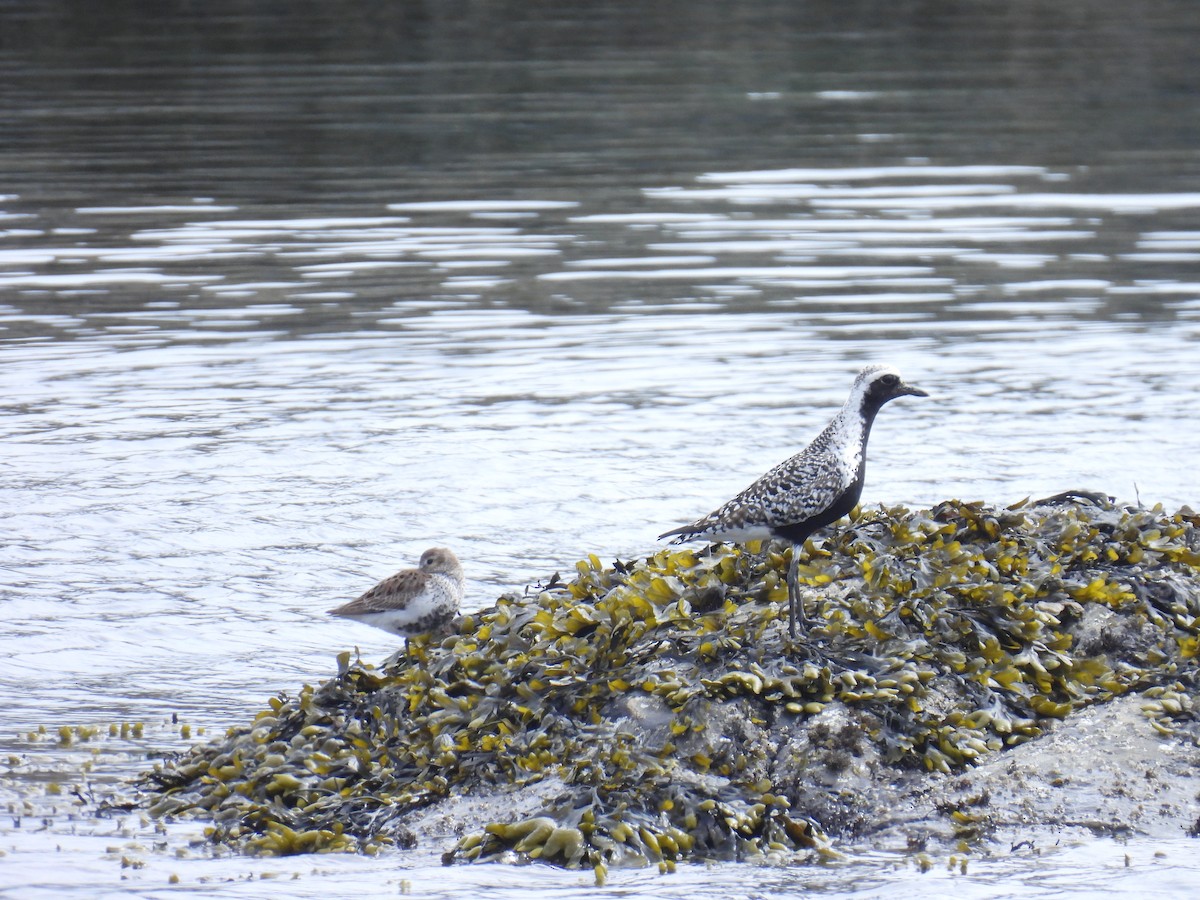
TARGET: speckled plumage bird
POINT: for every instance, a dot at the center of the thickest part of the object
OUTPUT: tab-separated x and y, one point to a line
812	489
413	601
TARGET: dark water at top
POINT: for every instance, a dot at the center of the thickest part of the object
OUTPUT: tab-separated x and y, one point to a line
291	291
343	105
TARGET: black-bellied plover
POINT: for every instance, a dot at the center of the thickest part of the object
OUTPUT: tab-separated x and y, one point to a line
814	488
413	601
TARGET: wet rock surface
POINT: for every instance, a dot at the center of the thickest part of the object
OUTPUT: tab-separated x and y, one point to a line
979	675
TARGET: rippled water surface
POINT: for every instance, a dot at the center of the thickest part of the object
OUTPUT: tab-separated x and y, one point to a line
286	299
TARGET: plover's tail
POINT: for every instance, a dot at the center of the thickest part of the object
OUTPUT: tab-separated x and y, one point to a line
681	535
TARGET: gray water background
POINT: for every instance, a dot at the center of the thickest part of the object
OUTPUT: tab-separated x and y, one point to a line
291	292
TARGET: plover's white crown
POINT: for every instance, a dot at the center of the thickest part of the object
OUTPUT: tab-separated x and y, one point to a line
818	485
413	601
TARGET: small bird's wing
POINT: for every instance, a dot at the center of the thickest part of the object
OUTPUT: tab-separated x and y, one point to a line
392	593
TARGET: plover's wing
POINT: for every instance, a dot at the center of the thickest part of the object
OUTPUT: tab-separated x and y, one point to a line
796	490
390	594
799	488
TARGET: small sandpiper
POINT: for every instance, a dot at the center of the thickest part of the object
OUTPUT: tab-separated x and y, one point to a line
413	601
812	489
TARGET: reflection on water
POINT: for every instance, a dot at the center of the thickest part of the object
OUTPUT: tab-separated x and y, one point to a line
284	300
930	255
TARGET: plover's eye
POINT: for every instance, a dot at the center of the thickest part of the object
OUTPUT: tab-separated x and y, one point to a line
890	380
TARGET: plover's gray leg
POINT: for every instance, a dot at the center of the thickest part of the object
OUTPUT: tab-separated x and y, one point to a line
795	604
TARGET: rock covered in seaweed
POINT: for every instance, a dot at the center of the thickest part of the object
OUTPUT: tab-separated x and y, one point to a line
655	711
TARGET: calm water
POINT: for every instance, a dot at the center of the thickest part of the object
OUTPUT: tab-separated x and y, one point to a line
289	293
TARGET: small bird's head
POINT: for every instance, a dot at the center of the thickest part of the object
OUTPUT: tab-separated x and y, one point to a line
439	559
876	385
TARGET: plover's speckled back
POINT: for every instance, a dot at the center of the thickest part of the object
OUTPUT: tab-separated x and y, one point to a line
817	486
413	601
